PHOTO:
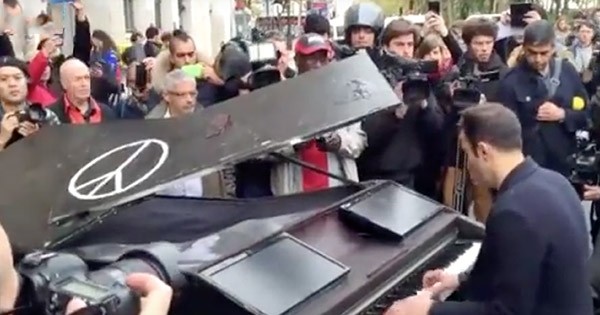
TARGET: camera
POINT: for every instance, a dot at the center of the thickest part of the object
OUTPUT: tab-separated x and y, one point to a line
238	58
413	74
52	279
33	113
584	163
468	93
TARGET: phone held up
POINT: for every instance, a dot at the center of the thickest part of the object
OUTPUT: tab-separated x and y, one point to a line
433	6
518	12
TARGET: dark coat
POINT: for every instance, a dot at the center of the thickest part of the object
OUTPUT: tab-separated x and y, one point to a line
549	143
59	109
533	260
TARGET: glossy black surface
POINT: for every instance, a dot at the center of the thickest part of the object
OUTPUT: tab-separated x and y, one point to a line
372	261
277	277
391	212
38	169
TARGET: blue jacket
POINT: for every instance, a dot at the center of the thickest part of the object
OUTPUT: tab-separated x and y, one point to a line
549	143
533	260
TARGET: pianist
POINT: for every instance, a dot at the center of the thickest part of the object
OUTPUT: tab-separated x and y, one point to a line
534	255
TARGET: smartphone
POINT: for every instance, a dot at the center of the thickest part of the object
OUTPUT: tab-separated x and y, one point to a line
433	6
59	38
518	12
141	76
194	71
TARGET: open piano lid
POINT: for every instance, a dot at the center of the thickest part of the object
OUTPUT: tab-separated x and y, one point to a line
70	169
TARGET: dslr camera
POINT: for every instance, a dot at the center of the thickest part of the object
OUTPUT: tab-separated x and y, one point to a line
238	58
412	73
52	279
33	113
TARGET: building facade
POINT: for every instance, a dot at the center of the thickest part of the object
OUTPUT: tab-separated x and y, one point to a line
209	22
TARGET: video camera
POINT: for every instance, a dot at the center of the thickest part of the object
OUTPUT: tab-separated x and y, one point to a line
238	58
469	93
52	279
584	163
413	74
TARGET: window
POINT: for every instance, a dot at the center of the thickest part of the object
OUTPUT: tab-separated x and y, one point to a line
128	11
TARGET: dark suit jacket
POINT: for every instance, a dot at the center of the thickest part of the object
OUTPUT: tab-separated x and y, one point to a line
533	260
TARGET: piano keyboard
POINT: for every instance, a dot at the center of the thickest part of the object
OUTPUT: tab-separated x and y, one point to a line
457	257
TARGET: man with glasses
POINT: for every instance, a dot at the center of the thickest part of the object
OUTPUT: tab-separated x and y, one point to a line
179	99
549	98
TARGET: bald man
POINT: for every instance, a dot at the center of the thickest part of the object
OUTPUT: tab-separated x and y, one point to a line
77	106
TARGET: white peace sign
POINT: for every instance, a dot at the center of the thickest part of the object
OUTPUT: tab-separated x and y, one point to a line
116	175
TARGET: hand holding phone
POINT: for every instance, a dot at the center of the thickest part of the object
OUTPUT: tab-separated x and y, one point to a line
194	71
433	6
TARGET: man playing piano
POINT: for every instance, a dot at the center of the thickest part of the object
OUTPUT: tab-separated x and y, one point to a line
534	255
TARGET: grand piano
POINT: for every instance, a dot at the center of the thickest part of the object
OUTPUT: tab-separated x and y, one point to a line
352	249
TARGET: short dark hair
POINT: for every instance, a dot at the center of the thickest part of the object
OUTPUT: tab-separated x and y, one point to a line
540	32
316	23
478	27
152	32
587	23
179	36
397	28
492	123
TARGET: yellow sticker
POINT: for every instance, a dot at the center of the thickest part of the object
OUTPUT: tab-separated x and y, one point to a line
578	103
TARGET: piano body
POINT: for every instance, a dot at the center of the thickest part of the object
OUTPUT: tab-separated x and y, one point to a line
380	271
345	250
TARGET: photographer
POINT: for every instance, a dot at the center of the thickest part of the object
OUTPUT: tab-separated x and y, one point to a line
395	137
19	118
156	295
334	152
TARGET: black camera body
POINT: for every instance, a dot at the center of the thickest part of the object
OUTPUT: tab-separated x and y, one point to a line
34	113
468	93
238	57
52	279
585	163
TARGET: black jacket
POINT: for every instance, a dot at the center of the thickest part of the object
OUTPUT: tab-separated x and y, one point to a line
394	148
533	260
59	109
549	143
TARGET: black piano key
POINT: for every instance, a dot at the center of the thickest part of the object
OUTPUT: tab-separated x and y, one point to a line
409	285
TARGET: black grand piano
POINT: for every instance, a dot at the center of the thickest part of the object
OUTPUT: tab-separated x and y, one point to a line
352	249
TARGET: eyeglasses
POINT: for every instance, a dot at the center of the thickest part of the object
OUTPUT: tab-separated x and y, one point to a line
184	94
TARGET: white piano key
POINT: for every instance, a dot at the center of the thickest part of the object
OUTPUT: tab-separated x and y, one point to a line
462	264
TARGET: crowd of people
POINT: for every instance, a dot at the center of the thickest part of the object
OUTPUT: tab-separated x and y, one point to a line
547	79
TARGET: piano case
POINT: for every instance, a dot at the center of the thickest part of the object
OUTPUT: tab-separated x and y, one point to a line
389	213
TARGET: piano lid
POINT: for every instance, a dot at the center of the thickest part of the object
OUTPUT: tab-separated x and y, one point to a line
72	169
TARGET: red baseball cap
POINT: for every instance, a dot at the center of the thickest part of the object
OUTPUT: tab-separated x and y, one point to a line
310	43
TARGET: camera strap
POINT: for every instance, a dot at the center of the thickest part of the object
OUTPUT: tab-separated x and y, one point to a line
553	82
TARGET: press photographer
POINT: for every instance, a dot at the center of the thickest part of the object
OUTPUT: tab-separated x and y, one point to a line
395	137
245	67
19	118
41	273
